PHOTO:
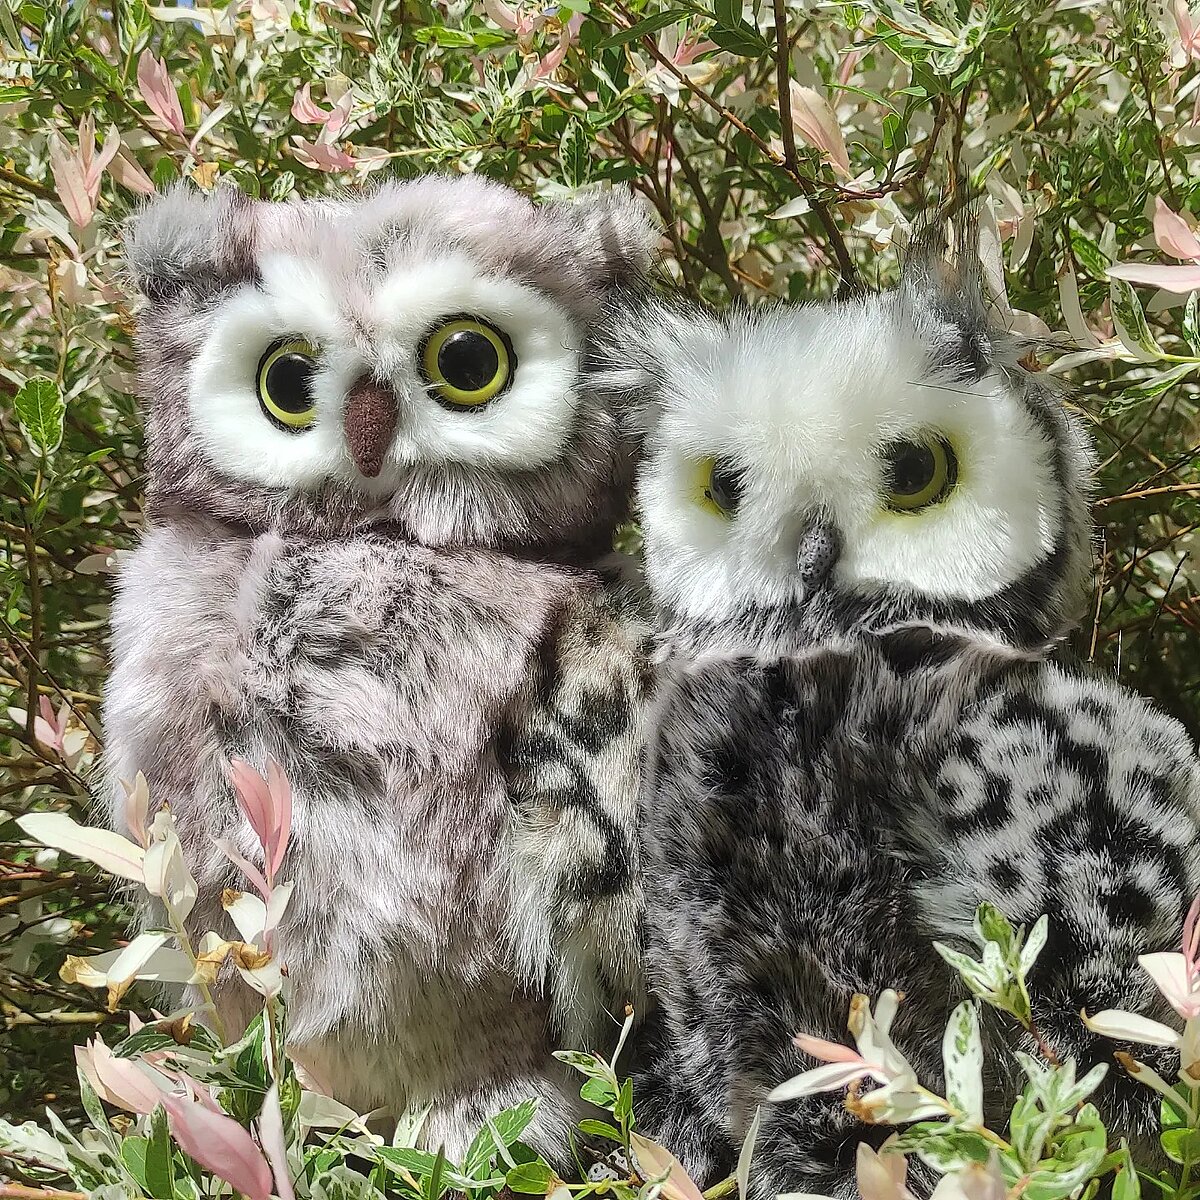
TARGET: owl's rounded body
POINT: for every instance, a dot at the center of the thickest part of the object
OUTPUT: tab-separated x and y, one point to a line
392	683
866	529
378	482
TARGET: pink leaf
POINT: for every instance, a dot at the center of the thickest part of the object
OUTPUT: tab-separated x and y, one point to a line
827	1051
254	799
248	869
274	1144
1173	279
154	82
502	14
1173	234
69	183
306	110
118	1081
322	157
281	814
816	123
655	1161
129	174
221	1145
95	168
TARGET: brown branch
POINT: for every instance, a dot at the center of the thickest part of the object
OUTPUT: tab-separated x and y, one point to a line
783	83
1155	491
807	186
26	184
17	1191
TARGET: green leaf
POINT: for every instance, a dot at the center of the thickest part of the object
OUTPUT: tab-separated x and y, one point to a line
341	1183
434	1185
40	410
507	1126
1090	256
92	1106
601	1129
1191	327
728	12
1130	321
592	1066
743	40
282	186
623	1109
1029	1127
944	1147
532	1179
133	1155
599	1092
575	154
407	1158
1147	389
1126	1184
642	28
993	926
440	35
160	1170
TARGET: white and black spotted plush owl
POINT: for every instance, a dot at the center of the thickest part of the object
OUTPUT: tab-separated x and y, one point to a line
377	474
865	527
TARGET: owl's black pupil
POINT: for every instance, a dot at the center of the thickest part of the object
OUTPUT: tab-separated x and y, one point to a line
289	382
725	486
468	361
911	467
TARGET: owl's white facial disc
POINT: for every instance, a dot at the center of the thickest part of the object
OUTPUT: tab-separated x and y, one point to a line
380	335
803	406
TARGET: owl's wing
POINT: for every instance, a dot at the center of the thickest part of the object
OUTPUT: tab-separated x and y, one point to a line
572	753
1072	797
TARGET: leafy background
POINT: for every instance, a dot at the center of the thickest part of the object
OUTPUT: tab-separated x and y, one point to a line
786	146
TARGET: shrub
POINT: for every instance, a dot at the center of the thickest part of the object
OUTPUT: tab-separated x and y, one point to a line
787	146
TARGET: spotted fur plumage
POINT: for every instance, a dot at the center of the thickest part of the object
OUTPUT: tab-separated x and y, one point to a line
852	749
426	652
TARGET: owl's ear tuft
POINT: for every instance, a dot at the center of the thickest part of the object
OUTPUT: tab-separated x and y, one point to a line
186	241
942	285
618	236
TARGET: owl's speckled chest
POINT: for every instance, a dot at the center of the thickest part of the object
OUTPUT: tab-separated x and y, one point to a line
380	674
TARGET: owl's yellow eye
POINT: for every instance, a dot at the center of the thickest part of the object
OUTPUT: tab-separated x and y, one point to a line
284	383
467	362
719	486
918	473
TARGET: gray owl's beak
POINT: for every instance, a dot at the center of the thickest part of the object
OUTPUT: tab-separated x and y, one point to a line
369	421
820	548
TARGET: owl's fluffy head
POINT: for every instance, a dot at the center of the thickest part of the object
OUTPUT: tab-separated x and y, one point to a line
410	358
870	463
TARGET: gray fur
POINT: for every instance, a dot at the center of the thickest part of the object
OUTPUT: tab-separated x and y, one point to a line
840	776
459	716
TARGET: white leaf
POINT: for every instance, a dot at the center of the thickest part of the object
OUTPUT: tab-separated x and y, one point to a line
1034	943
167	875
1130	1027
134	957
962	1054
828	1078
247	912
793	208
1072	310
746	1155
109	851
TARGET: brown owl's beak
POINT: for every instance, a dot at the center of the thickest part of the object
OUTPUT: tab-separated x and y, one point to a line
369	422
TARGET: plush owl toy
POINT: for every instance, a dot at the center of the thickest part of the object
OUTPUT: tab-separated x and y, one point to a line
376	474
865	527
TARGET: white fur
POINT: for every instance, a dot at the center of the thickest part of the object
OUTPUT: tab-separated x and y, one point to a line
524	427
804	400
